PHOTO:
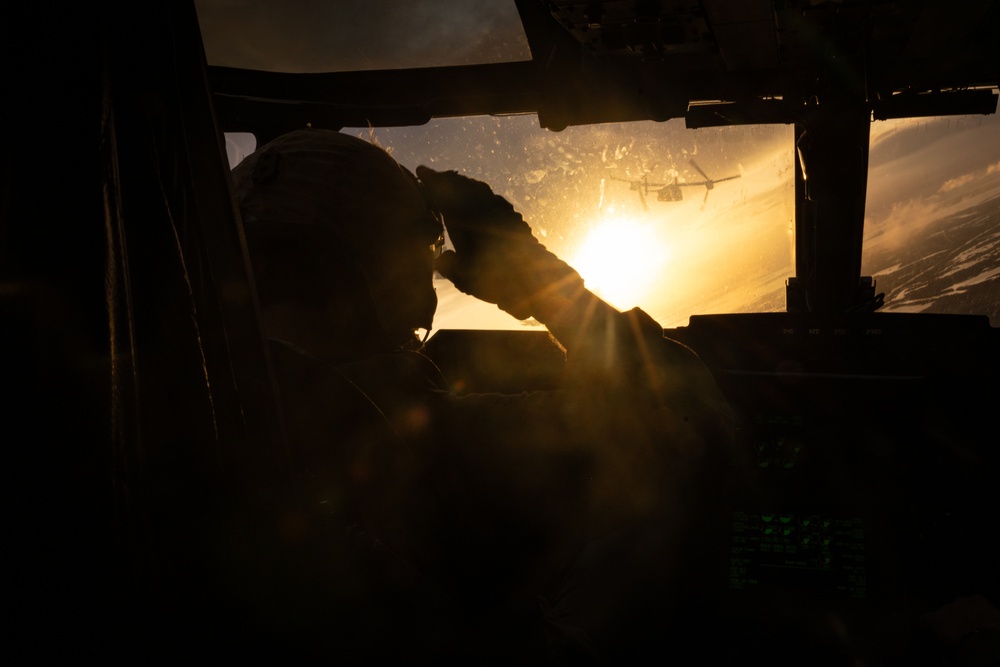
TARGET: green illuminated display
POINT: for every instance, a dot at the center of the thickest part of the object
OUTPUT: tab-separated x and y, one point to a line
781	548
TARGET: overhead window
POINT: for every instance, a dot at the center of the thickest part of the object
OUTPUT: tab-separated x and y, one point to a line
310	36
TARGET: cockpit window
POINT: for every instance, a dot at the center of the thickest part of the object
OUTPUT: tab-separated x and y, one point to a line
932	221
307	36
629	205
238	146
654	215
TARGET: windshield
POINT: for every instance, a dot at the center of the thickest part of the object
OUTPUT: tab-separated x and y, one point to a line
602	197
932	223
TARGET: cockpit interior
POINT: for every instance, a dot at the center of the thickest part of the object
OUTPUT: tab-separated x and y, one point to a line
804	192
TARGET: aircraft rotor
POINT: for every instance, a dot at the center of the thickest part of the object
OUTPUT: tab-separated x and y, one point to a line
708	182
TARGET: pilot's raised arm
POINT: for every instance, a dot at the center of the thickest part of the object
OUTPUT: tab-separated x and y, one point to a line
644	401
631	445
497	259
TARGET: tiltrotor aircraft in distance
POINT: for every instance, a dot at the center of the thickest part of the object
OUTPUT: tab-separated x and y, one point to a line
669	192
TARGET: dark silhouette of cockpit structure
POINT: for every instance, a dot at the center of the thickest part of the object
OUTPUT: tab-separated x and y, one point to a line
152	502
671	192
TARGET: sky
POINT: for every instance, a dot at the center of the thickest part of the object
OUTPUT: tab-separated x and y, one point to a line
922	169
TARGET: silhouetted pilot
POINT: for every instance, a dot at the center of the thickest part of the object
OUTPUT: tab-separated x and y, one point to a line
495	500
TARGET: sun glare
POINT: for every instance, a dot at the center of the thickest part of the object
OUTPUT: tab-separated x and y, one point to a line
619	260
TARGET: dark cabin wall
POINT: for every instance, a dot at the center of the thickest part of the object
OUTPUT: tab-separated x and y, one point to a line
57	474
143	453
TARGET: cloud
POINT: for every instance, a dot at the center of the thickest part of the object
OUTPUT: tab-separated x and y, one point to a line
901	222
957	182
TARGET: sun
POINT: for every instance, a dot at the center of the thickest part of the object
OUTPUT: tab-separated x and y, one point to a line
619	260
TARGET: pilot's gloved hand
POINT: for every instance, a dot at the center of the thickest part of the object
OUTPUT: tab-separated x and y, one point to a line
496	258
